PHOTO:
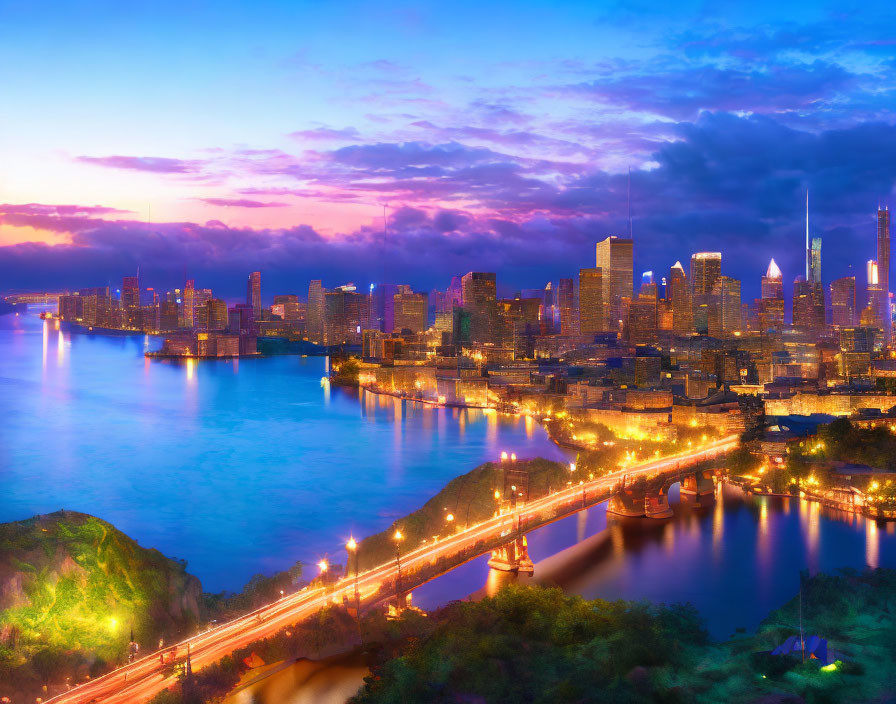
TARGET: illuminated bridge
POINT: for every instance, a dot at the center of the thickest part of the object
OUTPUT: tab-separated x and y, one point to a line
641	490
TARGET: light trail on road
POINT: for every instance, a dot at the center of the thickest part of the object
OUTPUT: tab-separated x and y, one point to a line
143	679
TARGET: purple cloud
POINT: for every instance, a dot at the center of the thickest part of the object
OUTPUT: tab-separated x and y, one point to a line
242	203
153	164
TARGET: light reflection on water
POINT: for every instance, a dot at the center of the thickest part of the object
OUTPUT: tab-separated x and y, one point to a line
735	557
238	466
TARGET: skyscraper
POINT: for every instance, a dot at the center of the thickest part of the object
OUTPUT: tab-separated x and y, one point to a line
130	292
591	308
771	304
568	309
808	305
480	300
815	261
616	262
678	292
315	314
706	267
883	271
843	302
253	293
411	312
724	310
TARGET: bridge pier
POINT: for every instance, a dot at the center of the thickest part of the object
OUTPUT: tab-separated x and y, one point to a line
512	557
627	503
656	504
698	484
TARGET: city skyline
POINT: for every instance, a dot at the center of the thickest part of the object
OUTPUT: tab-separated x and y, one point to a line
243	146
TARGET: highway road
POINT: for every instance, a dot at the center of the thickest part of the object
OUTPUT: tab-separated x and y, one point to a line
144	678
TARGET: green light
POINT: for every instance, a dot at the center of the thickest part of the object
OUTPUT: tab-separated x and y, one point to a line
832	667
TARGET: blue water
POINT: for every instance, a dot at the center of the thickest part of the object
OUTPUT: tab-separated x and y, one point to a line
238	467
245	467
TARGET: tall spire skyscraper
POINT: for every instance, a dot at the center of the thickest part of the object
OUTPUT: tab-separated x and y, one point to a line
883	271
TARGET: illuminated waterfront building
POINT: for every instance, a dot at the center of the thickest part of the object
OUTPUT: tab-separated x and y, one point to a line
291	306
315	315
843	302
130	292
706	267
215	314
591	308
615	259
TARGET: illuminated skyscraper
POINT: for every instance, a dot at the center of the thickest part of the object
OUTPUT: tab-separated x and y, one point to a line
815	261
724	309
253	293
706	267
568	309
678	292
188	307
843	302
883	272
615	259
481	302
771	304
808	305
130	292
315	314
591	308
411	312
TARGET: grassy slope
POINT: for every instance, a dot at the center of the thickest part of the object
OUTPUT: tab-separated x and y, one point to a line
72	582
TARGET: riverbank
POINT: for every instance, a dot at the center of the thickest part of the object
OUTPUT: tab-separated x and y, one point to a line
829	498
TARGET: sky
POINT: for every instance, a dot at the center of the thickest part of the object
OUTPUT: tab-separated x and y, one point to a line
410	142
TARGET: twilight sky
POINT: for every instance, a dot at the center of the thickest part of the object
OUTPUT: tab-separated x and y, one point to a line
212	138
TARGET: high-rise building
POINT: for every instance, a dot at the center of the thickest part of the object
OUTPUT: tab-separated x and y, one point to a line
706	267
315	314
130	292
641	323
770	307
480	300
843	302
253	293
591	302
808	306
679	294
291	306
411	312
568	309
724	314
216	314
883	272
815	261
615	259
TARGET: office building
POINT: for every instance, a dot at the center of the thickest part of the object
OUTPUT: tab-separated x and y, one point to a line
253	293
843	302
706	267
615	259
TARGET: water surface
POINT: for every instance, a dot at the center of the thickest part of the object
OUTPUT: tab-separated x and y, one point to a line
237	466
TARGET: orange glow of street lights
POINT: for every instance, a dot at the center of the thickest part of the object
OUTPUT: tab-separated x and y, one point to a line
351	545
503	456
513	457
449	517
322	566
398	536
497	495
572	466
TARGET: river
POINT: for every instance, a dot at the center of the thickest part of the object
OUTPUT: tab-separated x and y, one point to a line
247	466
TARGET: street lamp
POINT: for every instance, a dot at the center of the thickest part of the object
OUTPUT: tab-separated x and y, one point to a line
398	537
352	547
503	456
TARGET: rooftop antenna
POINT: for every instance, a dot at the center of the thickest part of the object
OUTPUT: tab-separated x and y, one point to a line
630	202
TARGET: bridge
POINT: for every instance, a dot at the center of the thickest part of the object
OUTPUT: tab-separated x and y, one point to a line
641	490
